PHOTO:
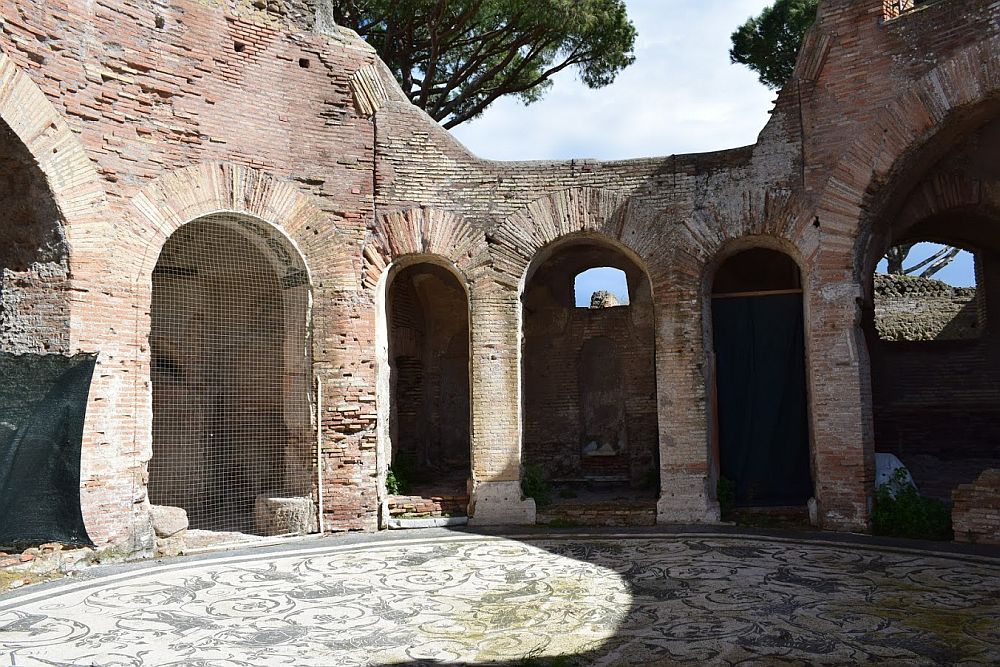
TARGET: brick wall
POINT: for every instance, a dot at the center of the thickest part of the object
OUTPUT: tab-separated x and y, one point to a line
976	512
142	117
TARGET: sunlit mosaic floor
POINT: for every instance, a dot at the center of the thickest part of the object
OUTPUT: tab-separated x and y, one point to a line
462	599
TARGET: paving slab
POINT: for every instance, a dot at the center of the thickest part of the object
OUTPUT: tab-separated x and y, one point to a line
443	597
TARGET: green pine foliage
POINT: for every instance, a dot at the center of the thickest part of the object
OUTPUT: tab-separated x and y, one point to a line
454	58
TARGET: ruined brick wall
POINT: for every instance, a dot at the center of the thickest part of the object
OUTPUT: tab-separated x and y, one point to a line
197	107
976	513
144	116
869	90
935	393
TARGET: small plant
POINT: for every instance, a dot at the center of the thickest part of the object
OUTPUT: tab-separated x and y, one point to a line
902	512
535	486
725	493
392	484
562	522
402	474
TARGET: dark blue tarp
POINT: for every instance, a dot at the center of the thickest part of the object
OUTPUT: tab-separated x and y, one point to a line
761	385
43	401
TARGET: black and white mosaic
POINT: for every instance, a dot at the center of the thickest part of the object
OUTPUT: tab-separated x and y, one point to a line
643	600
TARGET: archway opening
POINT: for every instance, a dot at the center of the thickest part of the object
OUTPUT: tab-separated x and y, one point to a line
43	391
601	287
34	262
933	339
590	432
761	417
932	353
233	434
429	421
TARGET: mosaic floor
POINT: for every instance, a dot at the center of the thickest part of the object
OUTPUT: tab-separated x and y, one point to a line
463	599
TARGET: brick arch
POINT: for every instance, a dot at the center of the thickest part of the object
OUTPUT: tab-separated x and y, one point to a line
421	231
933	196
900	129
69	173
767	217
184	195
516	241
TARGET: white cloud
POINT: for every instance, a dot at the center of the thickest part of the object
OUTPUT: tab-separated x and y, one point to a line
682	95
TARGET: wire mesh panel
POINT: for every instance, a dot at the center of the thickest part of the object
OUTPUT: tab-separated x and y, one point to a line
232	422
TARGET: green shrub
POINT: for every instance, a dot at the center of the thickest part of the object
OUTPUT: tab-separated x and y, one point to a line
725	493
909	514
392	484
535	486
401	475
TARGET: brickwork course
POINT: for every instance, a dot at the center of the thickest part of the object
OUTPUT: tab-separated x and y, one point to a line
124	120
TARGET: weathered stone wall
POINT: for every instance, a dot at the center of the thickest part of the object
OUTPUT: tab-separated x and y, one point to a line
142	117
910	308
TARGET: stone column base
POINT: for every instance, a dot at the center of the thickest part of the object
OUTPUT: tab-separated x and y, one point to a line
684	499
500	504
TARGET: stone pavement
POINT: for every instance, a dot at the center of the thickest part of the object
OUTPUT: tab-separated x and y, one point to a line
440	597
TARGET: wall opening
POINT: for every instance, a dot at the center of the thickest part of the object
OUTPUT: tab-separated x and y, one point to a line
933	342
589	382
34	264
601	287
429	421
43	391
928	291
233	434
760	379
933	354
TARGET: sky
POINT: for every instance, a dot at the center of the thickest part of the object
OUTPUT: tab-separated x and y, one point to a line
682	95
600	278
961	272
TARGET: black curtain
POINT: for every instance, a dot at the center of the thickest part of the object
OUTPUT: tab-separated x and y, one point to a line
761	384
43	400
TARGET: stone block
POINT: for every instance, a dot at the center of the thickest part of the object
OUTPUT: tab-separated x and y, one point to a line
285	516
500	504
168	521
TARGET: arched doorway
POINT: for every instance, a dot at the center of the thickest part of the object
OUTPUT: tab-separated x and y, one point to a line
589	386
760	381
933	342
232	420
427	315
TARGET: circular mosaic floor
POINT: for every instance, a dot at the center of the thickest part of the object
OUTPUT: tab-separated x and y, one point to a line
464	599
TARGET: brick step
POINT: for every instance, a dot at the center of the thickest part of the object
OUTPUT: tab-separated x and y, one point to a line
611	513
431	505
